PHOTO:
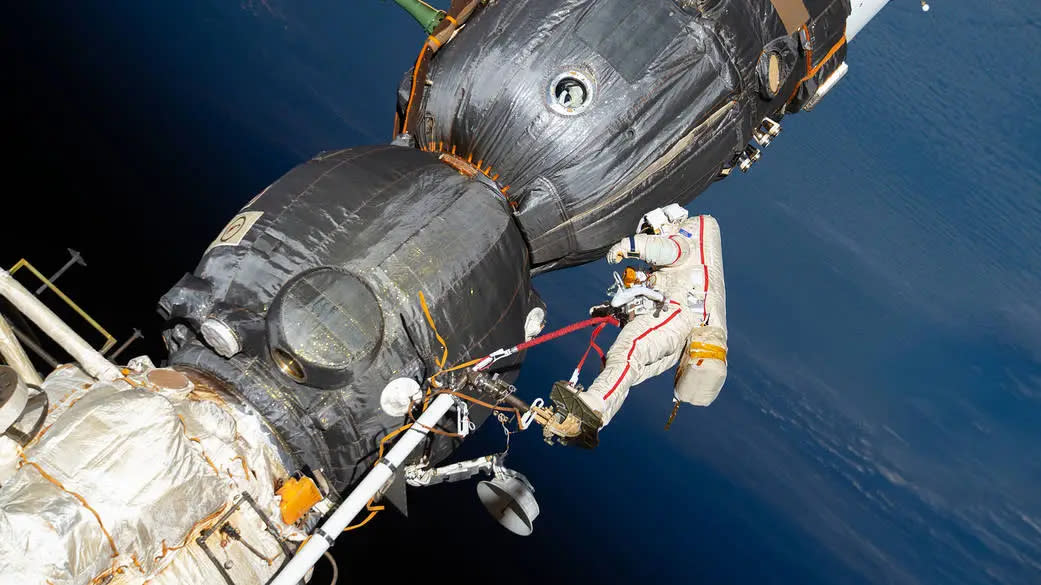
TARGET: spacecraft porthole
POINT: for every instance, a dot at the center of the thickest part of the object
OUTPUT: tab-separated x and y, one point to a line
326	326
774	73
570	93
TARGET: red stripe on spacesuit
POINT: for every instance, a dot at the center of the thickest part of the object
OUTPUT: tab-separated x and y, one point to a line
620	378
701	245
679	250
633	348
701	236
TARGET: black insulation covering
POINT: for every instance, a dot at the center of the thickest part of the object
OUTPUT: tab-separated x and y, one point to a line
331	273
677	96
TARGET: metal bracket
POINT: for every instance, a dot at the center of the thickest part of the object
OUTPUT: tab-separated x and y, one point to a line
561	426
494	357
404	139
464	426
419	475
219	524
748	158
492	465
529	416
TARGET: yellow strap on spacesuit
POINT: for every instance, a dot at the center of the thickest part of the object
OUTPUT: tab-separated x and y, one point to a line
703	351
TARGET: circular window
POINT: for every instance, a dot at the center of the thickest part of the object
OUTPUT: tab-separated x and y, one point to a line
325	326
773	74
570	93
775	65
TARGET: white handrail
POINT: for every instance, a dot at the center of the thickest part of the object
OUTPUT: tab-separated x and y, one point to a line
12	351
324	536
93	362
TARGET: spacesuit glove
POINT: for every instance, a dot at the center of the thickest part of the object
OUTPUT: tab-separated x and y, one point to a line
618	252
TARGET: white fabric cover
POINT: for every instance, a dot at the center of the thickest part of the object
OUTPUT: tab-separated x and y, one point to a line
152	465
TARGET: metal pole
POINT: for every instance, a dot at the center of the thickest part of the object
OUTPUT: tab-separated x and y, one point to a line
15	356
76	259
323	537
137	335
28	342
517	403
93	362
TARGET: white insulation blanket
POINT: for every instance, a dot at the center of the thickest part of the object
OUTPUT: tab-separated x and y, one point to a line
123	477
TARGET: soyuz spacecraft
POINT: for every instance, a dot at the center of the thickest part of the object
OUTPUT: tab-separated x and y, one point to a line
339	337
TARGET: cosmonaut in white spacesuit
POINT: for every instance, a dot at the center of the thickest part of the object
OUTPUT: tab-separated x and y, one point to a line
677	313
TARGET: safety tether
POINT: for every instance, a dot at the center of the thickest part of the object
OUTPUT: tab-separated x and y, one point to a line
498	354
592	347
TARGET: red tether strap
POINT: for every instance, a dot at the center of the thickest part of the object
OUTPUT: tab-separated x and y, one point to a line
498	354
565	330
592	345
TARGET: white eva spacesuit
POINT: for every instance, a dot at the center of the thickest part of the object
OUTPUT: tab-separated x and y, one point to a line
688	324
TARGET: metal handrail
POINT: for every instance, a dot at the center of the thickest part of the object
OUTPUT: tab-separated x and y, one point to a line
23	263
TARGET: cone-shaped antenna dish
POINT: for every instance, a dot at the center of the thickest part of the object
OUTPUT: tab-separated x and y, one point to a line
511	502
